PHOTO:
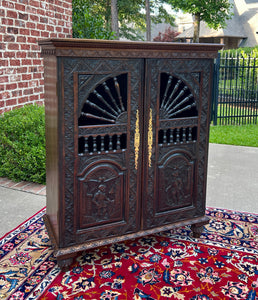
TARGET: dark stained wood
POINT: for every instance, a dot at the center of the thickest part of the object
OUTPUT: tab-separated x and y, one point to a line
135	48
175	185
64	253
127	139
52	137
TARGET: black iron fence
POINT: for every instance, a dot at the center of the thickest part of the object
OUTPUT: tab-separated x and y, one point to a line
235	90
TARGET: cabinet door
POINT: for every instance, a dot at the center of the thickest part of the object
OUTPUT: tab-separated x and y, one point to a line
108	118
100	170
177	93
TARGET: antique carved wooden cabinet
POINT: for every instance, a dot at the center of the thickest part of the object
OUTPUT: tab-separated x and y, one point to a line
127	139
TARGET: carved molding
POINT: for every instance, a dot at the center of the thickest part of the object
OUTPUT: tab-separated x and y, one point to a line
124	48
48	52
63	253
133	54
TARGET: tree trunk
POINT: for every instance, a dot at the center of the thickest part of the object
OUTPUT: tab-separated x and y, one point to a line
148	20
114	18
196	28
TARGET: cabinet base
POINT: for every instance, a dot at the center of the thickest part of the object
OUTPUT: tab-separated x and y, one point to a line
65	255
198	228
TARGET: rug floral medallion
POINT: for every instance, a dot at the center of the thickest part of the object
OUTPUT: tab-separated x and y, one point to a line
222	264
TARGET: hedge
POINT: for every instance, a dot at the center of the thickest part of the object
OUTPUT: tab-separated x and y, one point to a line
22	144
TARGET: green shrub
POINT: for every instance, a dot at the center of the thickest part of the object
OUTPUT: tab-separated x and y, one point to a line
88	23
240	51
22	144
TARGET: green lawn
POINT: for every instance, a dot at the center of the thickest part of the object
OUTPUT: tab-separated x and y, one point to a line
242	135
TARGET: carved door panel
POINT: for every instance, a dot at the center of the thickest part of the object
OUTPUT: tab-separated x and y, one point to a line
171	174
109	150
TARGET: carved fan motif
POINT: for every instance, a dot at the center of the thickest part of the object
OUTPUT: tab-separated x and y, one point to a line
176	99
106	104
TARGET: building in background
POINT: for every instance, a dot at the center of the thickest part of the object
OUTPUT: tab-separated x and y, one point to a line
240	31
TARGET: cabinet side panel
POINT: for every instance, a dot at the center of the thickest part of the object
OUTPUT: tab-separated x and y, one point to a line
51	117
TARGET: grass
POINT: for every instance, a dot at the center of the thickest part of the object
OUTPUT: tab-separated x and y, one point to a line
243	135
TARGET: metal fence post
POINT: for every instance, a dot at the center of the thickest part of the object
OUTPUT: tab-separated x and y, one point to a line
215	90
236	101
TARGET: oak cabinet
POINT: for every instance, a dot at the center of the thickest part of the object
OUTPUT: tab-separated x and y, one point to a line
127	128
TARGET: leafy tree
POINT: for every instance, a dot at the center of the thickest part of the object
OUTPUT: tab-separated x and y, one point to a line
148	20
114	18
132	22
88	21
156	13
213	12
95	19
168	36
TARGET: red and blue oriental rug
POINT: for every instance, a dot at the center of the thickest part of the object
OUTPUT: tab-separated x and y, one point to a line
222	264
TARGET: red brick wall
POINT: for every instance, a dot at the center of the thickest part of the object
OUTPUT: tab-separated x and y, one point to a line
22	24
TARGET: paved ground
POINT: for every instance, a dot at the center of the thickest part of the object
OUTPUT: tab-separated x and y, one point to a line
16	207
232	184
233	178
